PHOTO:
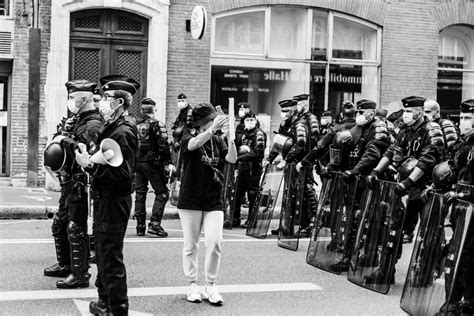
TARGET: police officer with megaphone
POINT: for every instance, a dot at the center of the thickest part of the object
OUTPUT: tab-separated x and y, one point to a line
112	189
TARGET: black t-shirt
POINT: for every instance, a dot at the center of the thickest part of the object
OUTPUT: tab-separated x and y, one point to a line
198	189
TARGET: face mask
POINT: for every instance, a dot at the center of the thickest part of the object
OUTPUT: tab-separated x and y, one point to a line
301	107
432	116
284	115
242	113
181	104
361	120
106	109
71	106
250	125
410	118
465	125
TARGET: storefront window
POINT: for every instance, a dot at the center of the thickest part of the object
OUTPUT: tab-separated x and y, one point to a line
352	40
337	61
288	33
319	35
4	7
455	68
241	33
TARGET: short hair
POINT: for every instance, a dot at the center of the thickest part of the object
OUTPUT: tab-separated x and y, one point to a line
126	96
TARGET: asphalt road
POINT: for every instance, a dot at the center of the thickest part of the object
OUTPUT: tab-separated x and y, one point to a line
257	278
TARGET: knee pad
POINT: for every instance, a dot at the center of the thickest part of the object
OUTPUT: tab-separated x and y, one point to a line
75	231
58	227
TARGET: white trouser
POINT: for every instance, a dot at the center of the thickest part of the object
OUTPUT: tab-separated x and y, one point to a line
192	222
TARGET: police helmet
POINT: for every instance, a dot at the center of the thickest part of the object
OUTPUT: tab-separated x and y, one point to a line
244	149
178	132
443	175
54	157
282	144
406	168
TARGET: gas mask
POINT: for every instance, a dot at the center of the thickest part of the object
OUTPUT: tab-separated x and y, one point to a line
250	123
410	118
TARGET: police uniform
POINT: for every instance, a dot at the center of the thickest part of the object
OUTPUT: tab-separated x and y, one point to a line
419	145
73	210
244	110
325	123
182	124
153	155
368	140
463	166
250	145
112	187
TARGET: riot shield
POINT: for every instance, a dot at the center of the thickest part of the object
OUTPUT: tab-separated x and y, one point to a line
378	238
228	194
424	292
328	246
291	207
261	216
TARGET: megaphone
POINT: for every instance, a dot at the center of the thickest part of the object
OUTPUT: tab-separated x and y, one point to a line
109	154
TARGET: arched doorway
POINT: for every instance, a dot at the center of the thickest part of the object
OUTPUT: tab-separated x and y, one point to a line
104	42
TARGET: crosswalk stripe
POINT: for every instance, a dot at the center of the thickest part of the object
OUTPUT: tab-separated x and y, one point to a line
156	291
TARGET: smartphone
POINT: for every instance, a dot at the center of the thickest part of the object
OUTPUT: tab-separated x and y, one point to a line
219	110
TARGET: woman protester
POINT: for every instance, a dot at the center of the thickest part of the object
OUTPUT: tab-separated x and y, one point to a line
200	199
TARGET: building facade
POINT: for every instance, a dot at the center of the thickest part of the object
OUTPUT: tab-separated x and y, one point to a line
257	51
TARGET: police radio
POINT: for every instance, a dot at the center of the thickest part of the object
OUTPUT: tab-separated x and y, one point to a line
109	154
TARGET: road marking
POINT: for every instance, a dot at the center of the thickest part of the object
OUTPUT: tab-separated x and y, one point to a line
83	307
156	291
202	233
134	240
6	222
40	198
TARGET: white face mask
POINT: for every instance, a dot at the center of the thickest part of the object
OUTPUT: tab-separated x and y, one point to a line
181	104
409	118
106	110
242	112
71	106
301	107
361	120
249	125
284	115
465	125
432	116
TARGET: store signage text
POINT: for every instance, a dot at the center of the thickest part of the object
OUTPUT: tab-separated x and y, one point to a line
284	75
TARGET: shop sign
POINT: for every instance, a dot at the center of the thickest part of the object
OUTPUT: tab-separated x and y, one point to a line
198	22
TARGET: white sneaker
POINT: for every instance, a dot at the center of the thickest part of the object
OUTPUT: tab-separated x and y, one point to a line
193	295
211	293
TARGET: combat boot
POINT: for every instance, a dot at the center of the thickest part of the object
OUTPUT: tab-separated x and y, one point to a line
63	267
79	278
155	228
100	307
141	227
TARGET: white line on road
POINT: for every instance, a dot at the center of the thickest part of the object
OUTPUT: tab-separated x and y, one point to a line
133	240
156	291
20	222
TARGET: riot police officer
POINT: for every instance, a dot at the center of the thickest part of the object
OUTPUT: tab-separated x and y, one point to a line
250	143
112	188
417	149
244	109
183	121
153	155
325	123
461	301
85	130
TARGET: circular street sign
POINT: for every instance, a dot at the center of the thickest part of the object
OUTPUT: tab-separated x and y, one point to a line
198	22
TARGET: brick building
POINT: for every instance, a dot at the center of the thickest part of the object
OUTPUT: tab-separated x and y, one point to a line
260	51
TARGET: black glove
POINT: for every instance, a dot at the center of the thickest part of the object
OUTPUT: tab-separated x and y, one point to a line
403	187
349	175
325	173
372	179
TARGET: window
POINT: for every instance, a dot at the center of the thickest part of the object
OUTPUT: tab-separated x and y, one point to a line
240	33
455	68
4	7
268	54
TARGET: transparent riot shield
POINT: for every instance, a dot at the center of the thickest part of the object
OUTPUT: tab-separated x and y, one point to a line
378	239
228	194
328	248
424	290
261	216
291	207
